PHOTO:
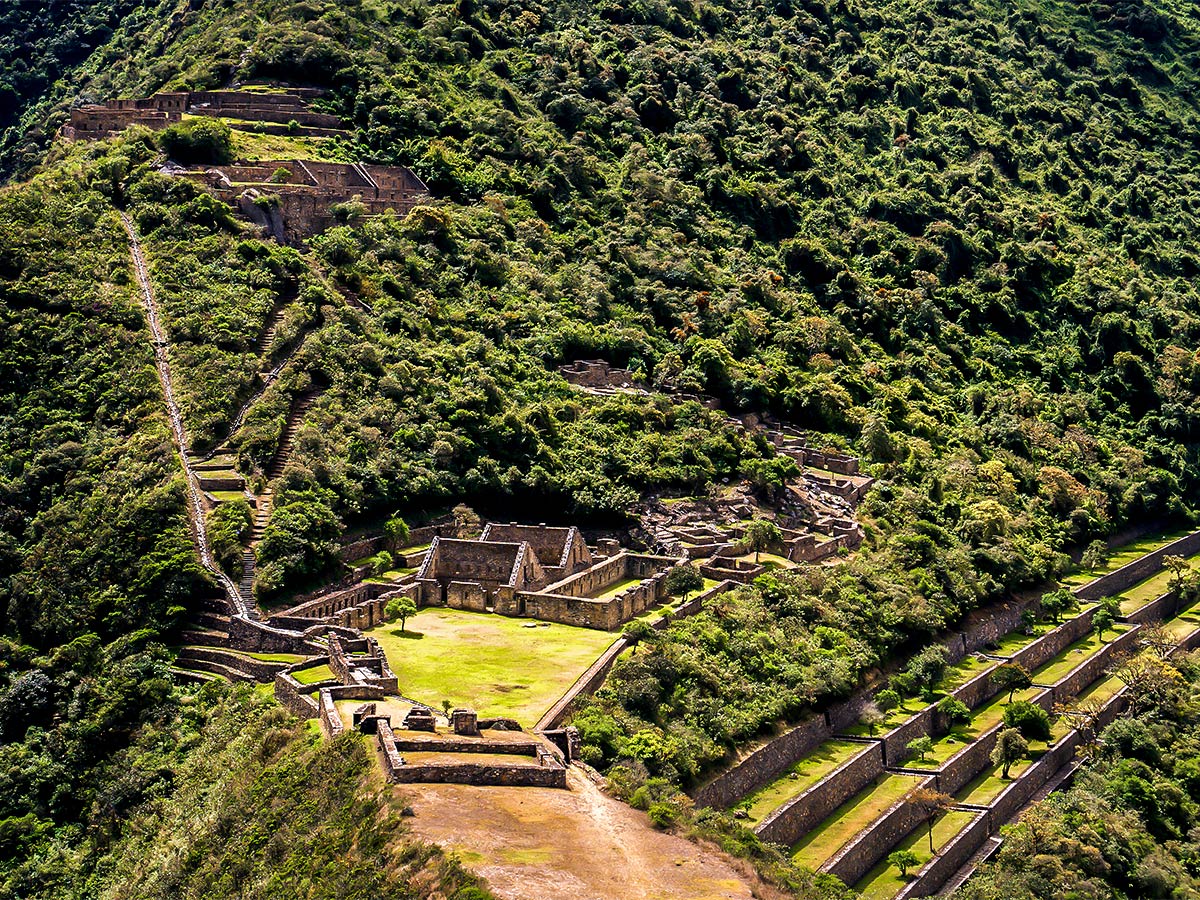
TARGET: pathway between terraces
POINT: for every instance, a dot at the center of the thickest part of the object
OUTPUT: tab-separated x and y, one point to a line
237	603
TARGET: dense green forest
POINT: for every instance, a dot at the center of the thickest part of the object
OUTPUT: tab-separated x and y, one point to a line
956	239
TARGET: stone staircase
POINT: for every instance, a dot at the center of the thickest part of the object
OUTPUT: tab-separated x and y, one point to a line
273	324
288	440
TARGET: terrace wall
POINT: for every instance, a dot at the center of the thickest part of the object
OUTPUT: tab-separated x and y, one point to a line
385	740
949	859
764	764
858	857
1093	667
794	819
1053	642
1159	609
1138	570
550	774
331	722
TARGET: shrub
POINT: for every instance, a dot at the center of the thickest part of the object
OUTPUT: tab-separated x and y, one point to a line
199	140
1028	718
887	700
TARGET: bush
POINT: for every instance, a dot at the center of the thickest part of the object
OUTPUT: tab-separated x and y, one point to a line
199	140
887	700
1028	718
663	815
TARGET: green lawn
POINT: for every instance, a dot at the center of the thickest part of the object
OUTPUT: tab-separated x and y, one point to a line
906	710
983	719
800	777
1061	665
988	786
493	664
1016	641
845	822
1101	690
617	588
770	560
250	146
960	673
1185	623
1150	589
884	881
313	675
227	496
288	658
415	548
1126	554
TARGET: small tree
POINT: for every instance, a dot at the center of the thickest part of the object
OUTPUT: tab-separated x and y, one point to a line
1178	566
953	712
930	803
395	530
1102	621
921	747
683	580
927	668
1010	747
1030	719
1095	555
887	700
871	716
1157	640
401	608
1011	677
1055	603
903	860
382	562
761	534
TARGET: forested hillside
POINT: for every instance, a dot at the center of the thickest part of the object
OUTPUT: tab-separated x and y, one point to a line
955	238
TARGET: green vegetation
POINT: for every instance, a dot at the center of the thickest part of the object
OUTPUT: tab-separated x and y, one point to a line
1062	664
493	664
955	239
799	778
850	818
1126	827
886	879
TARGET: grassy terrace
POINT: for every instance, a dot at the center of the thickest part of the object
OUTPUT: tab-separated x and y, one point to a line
617	588
845	822
983	719
313	675
1061	665
1185	623
989	785
493	664
1150	589
884	880
960	673
770	560
1126	554
800	777
1101	690
906	710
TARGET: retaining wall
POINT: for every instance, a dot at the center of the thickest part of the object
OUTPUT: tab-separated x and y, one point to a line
858	857
1157	610
290	698
1053	642
794	819
385	740
764	764
586	683
331	722
950	859
245	634
1093	667
1138	570
551	774
516	747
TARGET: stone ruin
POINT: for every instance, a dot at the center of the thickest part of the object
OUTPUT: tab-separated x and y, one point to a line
249	109
292	197
541	573
289	198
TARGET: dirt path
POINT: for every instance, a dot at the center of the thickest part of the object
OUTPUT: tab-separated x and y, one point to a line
195	507
546	844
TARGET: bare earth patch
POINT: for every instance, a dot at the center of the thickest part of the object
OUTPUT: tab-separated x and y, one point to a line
545	844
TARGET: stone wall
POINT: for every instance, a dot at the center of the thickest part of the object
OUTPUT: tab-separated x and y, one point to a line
858	857
763	764
523	746
1093	667
331	722
794	819
246	634
466	595
950	858
290	697
1054	642
1138	570
385	740
1017	794
1159	609
896	741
